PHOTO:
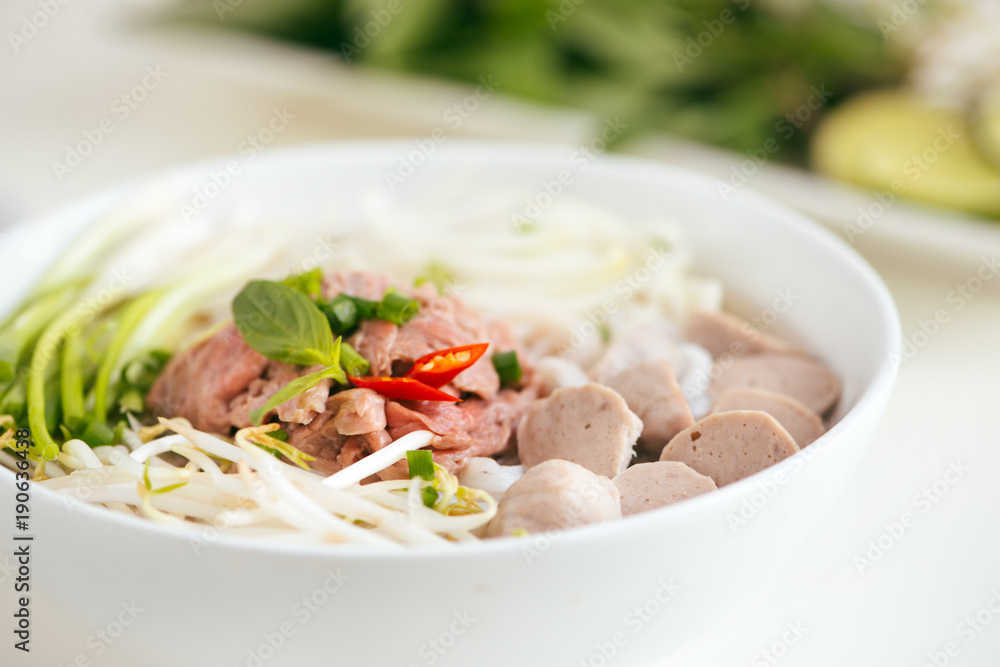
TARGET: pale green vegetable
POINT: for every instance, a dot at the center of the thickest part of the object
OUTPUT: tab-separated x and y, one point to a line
897	143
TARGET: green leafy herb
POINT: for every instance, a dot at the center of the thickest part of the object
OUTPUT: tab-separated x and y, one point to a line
302	384
353	362
397	308
309	283
507	367
283	324
421	464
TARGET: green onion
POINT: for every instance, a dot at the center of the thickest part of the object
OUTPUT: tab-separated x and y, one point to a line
72	376
342	312
397	308
507	367
421	464
132	315
366	309
6	372
353	362
279	434
430	496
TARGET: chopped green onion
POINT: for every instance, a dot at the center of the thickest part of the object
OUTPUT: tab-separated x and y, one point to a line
397	308
353	362
421	464
366	309
342	312
309	283
507	367
279	434
430	496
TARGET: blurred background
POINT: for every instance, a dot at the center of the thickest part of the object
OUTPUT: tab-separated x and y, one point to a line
879	118
889	96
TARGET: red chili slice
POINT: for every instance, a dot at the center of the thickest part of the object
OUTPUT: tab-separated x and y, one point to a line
439	368
403	389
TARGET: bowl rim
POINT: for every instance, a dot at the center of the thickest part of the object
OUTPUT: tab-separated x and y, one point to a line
535	153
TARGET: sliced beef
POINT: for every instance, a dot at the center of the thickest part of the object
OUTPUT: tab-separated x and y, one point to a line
352	427
199	383
474	427
299	410
442	322
360	284
358	411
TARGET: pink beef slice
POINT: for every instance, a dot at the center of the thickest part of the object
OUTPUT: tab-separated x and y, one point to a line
360	284
646	486
299	410
351	427
802	424
199	383
474	427
555	495
589	425
731	445
723	333
806	380
651	392
442	322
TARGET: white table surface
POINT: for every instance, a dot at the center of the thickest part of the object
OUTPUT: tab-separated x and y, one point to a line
945	566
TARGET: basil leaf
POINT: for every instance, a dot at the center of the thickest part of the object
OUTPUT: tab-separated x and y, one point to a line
283	324
296	387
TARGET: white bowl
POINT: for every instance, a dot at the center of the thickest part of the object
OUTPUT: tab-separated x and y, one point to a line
630	592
